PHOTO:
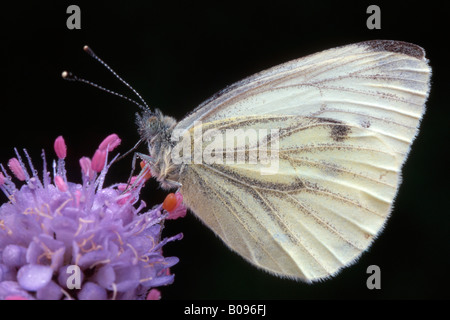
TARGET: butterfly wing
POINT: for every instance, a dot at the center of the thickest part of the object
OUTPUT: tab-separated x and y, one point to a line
347	118
380	83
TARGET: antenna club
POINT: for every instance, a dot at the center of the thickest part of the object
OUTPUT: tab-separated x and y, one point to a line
65	74
88	51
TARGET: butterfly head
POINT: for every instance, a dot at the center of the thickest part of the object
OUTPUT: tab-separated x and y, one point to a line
149	124
156	129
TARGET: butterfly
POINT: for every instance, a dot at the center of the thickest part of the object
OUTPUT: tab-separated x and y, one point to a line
345	119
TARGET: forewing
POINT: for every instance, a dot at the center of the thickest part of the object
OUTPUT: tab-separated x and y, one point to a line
380	84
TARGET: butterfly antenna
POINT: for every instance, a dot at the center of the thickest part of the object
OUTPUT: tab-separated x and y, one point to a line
71	77
93	55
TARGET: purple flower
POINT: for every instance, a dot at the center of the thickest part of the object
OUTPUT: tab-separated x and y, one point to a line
62	240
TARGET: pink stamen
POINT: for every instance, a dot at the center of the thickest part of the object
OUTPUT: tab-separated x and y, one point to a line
126	199
2	179
60	184
110	142
98	160
179	197
180	210
77	195
16	168
130	195
86	168
17	297
60	147
154	294
123	186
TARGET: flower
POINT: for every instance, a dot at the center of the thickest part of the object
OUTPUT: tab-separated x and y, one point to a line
63	240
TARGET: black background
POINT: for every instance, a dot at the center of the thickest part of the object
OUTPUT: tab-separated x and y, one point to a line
177	55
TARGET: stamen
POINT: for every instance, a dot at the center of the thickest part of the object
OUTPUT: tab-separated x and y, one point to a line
154	294
179	211
24	170
179	197
35	180
114	291
4	227
119	238
58	210
98	160
77	194
86	167
147	172
99	262
110	142
60	184
60	148
16	168
45	173
136	260
68	296
15	297
170	203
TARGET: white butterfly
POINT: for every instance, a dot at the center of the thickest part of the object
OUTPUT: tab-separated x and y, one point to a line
346	118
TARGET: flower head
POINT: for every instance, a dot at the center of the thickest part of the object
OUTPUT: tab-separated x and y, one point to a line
63	240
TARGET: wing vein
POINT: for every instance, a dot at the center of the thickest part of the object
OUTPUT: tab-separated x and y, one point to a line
232	211
328	227
298	241
318	164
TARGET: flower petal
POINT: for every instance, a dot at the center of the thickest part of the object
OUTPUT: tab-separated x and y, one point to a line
11	290
50	292
92	291
14	255
32	277
105	276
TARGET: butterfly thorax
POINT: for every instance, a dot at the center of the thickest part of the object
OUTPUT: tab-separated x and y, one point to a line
156	129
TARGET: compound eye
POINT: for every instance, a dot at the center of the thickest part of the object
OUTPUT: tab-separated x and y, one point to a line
153	124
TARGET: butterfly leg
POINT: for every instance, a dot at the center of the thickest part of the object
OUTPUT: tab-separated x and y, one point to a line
148	160
175	184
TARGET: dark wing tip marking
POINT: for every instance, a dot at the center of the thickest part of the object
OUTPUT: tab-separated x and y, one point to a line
396	46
